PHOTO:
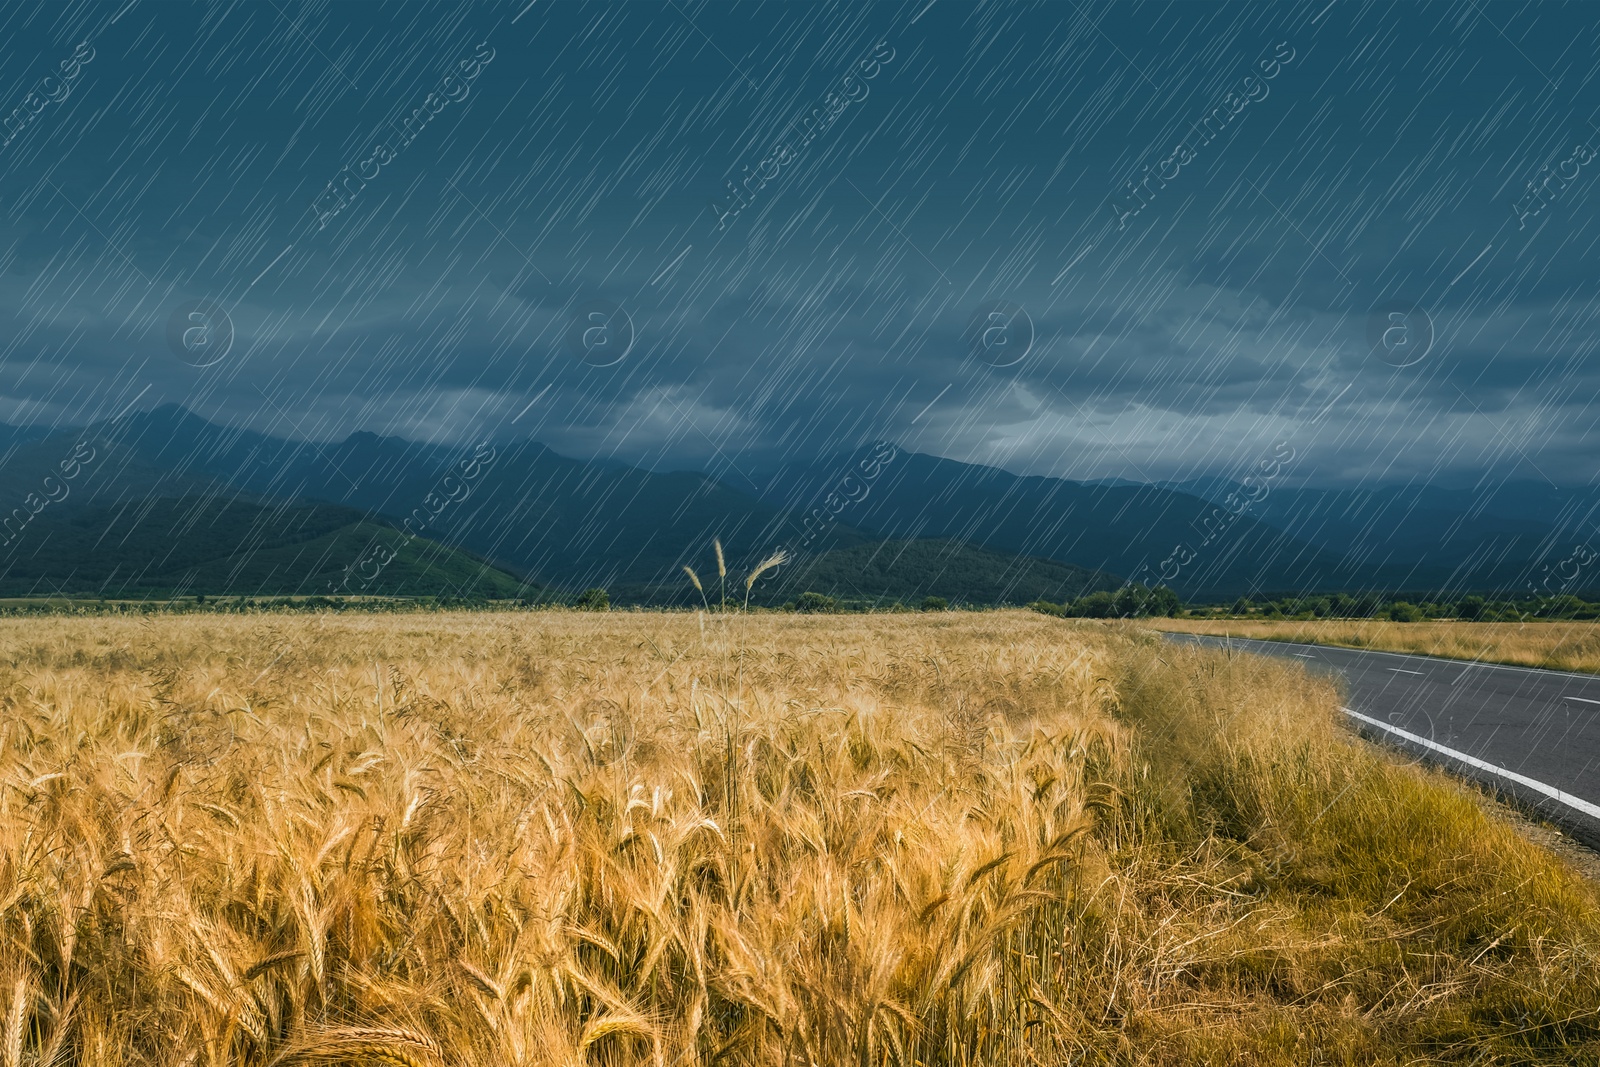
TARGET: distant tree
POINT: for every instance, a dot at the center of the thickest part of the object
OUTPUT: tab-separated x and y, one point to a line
1163	601
1564	606
1094	606
593	599
1129	601
815	603
1470	607
935	603
1402	611
1044	607
1495	610
1241	606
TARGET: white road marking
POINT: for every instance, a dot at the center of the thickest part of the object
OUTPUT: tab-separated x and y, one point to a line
1575	803
1398	670
1303	655
1582	700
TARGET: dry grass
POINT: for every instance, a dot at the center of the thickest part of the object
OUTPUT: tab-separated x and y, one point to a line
1566	646
663	839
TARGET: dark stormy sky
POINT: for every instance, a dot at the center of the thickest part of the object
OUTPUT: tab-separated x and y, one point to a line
1365	229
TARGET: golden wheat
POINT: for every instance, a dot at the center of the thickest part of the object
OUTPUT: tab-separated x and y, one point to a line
1560	645
578	838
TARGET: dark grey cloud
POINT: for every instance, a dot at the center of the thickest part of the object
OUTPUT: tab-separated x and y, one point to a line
798	209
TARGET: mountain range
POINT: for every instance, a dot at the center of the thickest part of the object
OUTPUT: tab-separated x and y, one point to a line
163	502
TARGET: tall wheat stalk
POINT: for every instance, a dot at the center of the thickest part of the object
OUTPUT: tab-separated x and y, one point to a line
777	559
722	576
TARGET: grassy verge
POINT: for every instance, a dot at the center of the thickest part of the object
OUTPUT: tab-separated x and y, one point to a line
616	839
1558	645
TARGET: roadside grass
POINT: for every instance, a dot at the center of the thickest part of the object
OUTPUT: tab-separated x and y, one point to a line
1381	884
1555	644
590	838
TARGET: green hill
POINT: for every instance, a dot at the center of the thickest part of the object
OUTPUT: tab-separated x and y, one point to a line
903	571
186	545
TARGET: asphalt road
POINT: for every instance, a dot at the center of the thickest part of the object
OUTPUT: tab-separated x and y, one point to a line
1533	735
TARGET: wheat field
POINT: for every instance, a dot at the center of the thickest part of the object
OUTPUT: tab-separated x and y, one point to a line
671	839
1566	645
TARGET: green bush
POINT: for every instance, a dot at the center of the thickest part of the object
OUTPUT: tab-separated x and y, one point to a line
815	603
595	599
1094	606
1565	606
1135	601
1401	611
1163	601
935	603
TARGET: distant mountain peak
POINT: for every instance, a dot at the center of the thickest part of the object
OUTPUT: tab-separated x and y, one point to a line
169	413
